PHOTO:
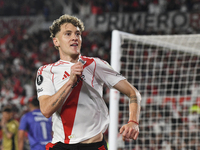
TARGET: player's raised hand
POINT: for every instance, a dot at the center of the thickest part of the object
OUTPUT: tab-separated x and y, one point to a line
76	71
129	131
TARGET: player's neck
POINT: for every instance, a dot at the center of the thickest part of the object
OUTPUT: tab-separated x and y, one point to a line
72	59
33	108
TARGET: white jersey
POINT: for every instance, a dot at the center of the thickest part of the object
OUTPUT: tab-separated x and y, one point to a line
84	113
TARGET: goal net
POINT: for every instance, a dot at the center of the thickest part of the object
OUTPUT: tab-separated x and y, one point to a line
166	71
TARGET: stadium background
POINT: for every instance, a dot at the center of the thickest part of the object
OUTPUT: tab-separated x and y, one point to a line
25	43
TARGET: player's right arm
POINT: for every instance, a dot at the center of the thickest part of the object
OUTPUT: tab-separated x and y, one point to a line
21	134
50	104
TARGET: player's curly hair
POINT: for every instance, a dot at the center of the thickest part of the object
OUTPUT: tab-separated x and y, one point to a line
55	27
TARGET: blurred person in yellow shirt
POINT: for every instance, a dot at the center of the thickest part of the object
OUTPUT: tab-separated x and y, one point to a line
10	129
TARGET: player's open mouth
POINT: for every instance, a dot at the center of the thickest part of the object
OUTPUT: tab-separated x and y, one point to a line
75	44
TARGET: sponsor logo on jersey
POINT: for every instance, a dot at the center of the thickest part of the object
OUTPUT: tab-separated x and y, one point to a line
66	75
39	90
39	79
118	74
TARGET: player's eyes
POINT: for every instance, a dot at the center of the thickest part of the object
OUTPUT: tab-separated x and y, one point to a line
67	34
78	33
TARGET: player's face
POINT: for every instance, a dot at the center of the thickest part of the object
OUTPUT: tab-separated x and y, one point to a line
68	40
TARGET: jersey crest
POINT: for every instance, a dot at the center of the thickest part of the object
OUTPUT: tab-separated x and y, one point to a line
39	79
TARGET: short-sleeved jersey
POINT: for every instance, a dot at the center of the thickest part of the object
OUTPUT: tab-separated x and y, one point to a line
84	113
12	143
39	129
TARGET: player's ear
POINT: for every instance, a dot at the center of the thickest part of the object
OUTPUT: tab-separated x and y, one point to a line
56	42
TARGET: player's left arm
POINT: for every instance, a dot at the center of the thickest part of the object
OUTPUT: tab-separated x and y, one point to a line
131	129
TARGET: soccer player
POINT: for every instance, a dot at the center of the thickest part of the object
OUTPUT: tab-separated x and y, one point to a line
70	90
10	129
39	128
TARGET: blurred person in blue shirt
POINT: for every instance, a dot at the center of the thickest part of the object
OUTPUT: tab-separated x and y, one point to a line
38	127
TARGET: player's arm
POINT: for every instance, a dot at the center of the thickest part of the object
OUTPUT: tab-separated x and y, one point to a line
50	104
131	129
21	134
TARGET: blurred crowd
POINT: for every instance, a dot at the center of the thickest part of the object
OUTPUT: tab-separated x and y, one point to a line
35	7
23	53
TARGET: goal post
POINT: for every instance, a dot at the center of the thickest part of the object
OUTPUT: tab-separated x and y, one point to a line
114	94
166	71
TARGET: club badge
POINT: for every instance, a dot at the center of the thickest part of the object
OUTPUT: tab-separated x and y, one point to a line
39	79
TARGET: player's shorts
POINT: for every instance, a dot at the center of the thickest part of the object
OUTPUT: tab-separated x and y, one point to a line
79	146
